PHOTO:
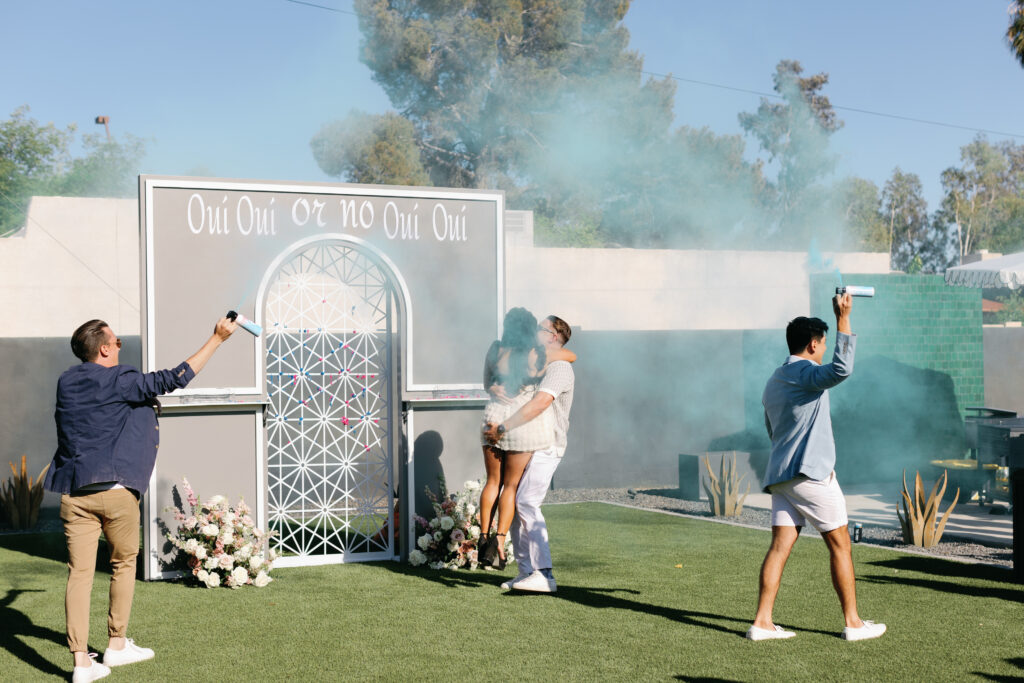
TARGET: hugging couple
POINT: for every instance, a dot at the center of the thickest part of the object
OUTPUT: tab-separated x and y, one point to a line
530	380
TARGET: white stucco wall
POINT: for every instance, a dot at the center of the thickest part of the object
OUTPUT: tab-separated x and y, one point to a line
1004	367
662	289
75	259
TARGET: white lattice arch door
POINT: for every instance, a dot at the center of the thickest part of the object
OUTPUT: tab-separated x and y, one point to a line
328	338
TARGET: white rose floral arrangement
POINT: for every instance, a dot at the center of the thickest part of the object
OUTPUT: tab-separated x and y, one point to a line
449	540
220	545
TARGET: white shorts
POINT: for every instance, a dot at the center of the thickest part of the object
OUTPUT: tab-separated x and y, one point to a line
801	500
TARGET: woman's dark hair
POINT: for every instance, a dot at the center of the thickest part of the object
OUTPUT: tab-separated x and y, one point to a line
87	340
519	335
801	331
519	331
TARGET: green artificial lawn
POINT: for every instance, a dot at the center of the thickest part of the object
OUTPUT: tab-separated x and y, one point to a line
623	611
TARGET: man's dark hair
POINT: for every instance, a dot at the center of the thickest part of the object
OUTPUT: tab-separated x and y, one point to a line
561	327
87	340
801	331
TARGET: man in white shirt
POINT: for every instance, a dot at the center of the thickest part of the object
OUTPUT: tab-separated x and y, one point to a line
529	531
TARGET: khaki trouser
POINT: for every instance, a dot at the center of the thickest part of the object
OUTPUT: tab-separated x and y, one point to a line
116	513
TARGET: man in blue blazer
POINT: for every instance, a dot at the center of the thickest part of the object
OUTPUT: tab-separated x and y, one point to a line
801	471
107	440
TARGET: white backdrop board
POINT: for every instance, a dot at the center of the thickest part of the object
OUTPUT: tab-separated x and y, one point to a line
210	245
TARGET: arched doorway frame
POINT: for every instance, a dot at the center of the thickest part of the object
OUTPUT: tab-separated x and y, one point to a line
398	352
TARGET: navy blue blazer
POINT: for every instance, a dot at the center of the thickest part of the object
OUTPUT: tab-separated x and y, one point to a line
106	425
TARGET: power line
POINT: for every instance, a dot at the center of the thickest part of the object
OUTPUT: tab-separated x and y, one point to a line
836	106
720	86
324	7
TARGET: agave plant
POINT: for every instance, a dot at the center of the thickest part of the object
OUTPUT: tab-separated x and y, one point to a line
722	490
20	497
919	514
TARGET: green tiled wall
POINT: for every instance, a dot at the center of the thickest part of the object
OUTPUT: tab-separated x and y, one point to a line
917	320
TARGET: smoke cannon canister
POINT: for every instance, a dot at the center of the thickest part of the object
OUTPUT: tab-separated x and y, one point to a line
856	290
248	325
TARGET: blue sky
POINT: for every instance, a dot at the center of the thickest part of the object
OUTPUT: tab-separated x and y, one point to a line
237	89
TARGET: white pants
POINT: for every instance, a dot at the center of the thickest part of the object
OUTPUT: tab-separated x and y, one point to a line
529	531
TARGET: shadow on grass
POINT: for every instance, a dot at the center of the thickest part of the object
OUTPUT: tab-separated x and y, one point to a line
954	570
1015	661
16	626
598	598
53	546
46	546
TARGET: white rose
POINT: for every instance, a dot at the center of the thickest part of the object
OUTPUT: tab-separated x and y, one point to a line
434	523
216	501
474	531
240	575
243	553
229	517
447	523
453	546
261	580
202	575
227	538
424	541
437	565
255	561
212	580
210	530
211	562
438	535
191	545
472	485
200	553
416	558
226	562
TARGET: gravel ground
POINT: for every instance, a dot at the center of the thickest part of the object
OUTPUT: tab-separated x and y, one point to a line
949	548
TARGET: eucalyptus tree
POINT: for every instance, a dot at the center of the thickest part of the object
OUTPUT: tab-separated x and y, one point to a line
794	133
545	100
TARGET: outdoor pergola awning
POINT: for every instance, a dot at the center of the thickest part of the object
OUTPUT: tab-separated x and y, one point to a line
1004	271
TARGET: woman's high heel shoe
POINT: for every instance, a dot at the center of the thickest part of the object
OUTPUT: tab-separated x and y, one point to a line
499	560
487	550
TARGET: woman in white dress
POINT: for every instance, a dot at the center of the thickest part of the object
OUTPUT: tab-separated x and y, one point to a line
513	368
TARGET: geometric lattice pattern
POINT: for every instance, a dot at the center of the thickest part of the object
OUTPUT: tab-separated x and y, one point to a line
329	465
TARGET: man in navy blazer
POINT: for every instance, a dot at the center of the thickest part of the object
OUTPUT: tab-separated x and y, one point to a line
107	440
801	471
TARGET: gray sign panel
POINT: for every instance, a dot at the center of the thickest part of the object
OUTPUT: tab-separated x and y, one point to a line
209	245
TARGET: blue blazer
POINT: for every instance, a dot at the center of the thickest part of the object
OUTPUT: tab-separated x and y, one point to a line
106	425
796	413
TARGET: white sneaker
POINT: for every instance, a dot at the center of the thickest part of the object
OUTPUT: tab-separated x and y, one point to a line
84	674
777	633
129	654
506	585
535	583
869	630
